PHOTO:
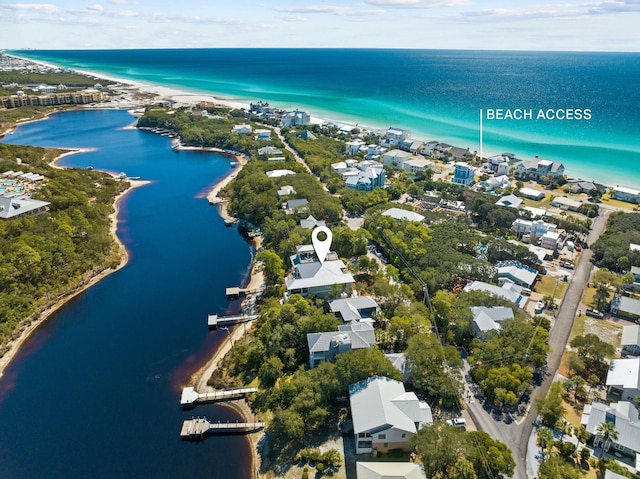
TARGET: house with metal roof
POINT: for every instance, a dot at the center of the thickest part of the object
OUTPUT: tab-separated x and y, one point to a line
623	415
623	378
286	191
354	309
625	306
486	320
327	345
300	205
395	158
390	470
310	276
509	291
512	201
384	415
12	207
310	222
517	273
401	214
631	340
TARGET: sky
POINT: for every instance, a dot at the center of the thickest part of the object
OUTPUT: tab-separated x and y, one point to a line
572	25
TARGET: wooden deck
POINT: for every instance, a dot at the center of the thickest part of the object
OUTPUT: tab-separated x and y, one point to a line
190	396
195	429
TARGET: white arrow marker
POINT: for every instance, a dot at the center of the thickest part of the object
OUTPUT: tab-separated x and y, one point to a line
321	246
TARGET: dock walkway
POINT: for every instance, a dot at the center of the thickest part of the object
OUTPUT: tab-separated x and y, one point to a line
195	429
190	396
214	321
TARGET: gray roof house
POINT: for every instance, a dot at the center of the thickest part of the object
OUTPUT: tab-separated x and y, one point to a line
310	222
354	309
390	470
311	277
17	206
623	378
509	291
511	201
631	340
324	346
487	319
625	417
516	272
300	205
624	306
385	416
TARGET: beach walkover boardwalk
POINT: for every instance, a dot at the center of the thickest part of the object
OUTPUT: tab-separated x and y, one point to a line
195	429
190	396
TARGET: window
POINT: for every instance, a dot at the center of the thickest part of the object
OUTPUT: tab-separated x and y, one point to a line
386	444
382	436
404	435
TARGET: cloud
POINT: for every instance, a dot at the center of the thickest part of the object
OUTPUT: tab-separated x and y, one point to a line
118	2
328	9
549	11
293	18
44	8
423	4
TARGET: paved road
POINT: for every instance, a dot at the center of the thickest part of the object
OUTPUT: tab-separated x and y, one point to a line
516	434
292	151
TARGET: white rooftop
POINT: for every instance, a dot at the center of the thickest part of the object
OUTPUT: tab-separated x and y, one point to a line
279	173
624	373
401	214
630	335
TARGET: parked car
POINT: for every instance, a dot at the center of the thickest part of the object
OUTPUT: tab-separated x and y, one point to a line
567	264
539	307
457	421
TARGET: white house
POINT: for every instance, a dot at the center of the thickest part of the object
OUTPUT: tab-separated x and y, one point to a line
495	182
325	346
565	203
625	417
354	146
539	168
512	201
395	136
242	129
626	194
464	174
295	118
279	173
365	180
417	165
384	415
312	277
285	191
269	151
401	214
551	240
487	319
390	470
530	231
531	193
395	158
17	206
299	205
509	291
623	378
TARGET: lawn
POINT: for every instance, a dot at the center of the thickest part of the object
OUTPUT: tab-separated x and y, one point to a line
607	200
547	284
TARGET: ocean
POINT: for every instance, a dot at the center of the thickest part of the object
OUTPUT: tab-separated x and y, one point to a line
437	94
95	391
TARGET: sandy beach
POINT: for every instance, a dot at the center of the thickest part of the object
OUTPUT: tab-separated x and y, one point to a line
29	325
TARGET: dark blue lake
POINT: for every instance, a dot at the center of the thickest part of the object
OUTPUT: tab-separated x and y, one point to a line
95	391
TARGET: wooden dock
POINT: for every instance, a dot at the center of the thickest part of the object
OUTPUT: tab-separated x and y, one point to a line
190	396
214	321
237	293
195	429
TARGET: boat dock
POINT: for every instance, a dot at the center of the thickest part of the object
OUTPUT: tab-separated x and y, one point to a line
214	321
190	396
237	293
195	429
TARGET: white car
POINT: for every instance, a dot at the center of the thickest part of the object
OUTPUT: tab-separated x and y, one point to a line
457	421
539	307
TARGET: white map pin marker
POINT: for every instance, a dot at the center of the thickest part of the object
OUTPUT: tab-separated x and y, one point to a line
321	247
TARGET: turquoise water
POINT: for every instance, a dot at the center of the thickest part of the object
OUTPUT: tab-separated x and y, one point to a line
436	93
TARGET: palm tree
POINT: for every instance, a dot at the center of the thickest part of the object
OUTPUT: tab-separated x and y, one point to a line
607	431
564	427
545	438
